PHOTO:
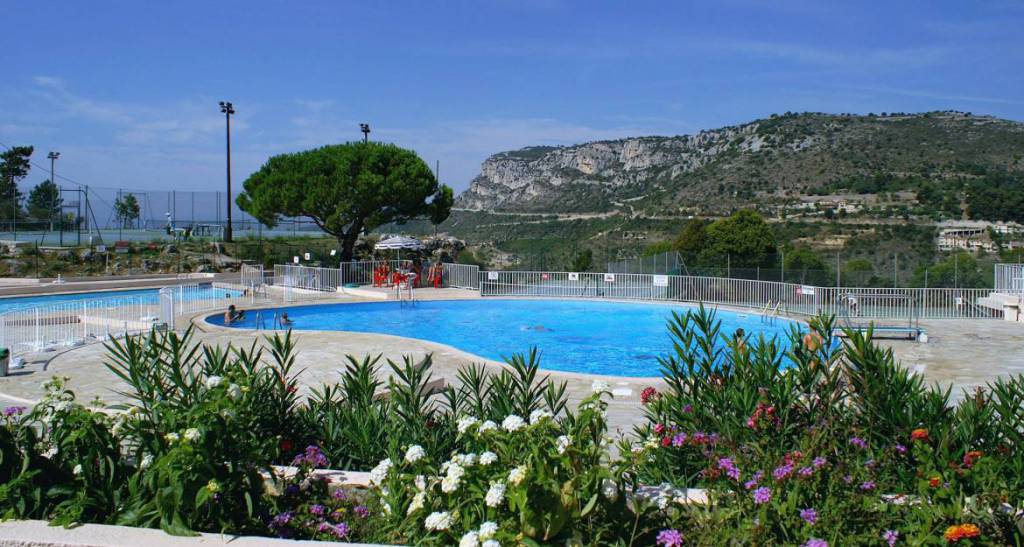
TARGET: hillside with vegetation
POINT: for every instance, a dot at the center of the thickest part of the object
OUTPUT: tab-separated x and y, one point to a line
932	165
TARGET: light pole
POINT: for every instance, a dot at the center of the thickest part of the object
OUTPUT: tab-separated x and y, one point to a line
228	109
365	128
53	198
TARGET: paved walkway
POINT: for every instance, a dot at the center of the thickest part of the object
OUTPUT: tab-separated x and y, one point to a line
961	353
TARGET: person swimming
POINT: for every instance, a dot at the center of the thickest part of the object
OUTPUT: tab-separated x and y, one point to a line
233	315
285	320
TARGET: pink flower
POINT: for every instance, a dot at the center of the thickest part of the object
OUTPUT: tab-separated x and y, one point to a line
670	538
890	537
809	515
762	495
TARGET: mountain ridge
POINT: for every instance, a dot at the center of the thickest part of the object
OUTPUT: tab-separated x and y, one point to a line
772	159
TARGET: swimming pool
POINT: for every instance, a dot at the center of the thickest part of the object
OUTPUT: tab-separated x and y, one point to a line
149	296
594	337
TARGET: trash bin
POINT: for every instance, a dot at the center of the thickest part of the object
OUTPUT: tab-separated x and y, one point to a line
5	361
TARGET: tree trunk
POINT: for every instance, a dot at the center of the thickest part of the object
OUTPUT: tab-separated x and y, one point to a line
348	241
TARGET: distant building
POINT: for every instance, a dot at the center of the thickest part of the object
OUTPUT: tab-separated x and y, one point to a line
974	236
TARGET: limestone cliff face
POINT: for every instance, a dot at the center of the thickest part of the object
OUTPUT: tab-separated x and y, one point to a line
779	155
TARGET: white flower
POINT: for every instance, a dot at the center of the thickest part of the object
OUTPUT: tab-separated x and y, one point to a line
417	502
146	461
488	426
387	508
538	415
599	386
77	470
414	453
610	489
495	494
213	381
487	458
491	543
563	443
517	475
192	434
234	391
420	482
512	423
469	540
379	473
171	437
487	530
465	460
467	422
438	521
450	484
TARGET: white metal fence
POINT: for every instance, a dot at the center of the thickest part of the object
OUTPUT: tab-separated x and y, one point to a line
461	276
1009	278
868	303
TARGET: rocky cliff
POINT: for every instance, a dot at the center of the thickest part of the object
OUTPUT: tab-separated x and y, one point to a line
779	156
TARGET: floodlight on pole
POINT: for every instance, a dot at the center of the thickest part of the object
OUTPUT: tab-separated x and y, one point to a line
365	128
228	109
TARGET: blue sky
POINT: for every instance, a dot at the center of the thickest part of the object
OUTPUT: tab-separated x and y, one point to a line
128	90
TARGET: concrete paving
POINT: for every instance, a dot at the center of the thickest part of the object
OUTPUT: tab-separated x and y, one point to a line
959	353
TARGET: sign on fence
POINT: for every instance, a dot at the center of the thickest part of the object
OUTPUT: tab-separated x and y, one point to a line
609	278
807	290
659	281
492	276
295	259
574	276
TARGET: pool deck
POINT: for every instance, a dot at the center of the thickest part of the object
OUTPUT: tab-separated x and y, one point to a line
960	353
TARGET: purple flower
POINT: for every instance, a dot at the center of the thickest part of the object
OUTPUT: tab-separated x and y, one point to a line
339	494
14	411
809	515
806	471
361	511
282	519
867	485
339	531
858	442
749	485
782	471
317	510
847	479
679	439
890	537
819	462
670	538
313	457
730	469
762	495
688	408
815	542
291	490
901	450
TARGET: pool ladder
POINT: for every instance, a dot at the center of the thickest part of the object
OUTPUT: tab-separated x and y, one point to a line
261	321
770	312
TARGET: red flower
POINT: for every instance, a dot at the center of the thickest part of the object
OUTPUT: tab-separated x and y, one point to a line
666	441
971	458
286	445
919	434
659	429
648	395
934	481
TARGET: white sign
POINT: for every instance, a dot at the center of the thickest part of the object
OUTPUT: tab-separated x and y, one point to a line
807	290
101	248
609	278
492	276
660	281
573	276
334	252
295	259
307	256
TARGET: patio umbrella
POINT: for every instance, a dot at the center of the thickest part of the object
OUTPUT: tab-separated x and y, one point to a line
398	243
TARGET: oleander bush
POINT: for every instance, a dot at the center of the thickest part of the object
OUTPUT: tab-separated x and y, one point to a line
811	440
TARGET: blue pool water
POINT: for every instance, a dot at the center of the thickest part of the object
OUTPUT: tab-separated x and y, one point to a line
611	338
149	296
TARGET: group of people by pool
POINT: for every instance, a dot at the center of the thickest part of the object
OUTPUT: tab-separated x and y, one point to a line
234	315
